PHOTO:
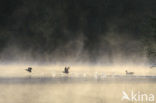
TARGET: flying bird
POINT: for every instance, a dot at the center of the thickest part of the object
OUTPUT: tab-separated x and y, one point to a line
29	69
66	70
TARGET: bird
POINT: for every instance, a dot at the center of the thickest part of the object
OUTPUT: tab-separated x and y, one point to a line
66	70
129	73
29	69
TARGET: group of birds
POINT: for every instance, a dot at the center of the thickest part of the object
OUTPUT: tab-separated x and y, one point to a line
66	70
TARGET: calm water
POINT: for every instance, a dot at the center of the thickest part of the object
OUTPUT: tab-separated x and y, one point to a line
83	92
29	91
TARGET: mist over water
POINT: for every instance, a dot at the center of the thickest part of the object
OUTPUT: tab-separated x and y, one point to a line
45	70
95	38
66	91
75	93
104	31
